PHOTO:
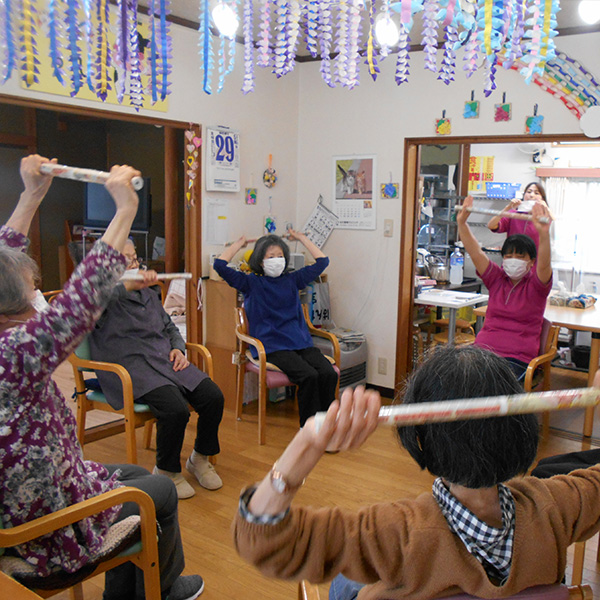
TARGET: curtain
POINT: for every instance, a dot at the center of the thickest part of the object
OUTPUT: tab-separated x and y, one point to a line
575	204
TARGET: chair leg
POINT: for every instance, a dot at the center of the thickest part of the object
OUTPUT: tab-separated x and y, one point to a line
578	557
262	409
148	425
76	592
239	390
81	414
212	459
130	442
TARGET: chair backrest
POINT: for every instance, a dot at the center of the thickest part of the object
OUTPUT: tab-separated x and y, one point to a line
548	337
241	320
83	350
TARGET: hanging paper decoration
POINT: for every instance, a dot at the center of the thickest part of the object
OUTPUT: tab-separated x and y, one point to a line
325	37
103	53
192	149
205	47
7	42
73	47
443	125
88	35
471	110
541	31
429	38
311	12
354	34
534	123
160	49
371	60
135	71
121	54
248	85
502	111
270	175
264	36
401	75
250	196
55	35
28	44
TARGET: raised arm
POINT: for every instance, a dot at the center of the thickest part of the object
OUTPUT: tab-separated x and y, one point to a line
126	201
480	260
231	251
301	237
495	221
36	186
347	425
544	258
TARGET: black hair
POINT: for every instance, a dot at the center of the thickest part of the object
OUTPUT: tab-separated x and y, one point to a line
539	186
521	244
260	249
474	453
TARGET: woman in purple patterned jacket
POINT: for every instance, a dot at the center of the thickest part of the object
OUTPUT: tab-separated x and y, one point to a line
42	468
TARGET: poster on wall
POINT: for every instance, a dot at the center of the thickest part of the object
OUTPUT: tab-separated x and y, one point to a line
222	159
481	171
353	192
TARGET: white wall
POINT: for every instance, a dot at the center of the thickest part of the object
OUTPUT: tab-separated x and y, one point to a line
374	119
303	123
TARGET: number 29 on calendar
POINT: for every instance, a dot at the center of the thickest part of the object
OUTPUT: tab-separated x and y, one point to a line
222	160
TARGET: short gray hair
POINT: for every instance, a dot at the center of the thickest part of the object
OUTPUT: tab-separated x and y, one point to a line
15	296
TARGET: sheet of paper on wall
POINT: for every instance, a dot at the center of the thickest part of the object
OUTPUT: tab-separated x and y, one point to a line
216	222
320	224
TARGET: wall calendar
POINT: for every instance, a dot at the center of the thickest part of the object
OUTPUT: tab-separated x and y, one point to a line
222	160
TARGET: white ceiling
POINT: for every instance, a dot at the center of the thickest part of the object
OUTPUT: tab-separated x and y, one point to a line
567	18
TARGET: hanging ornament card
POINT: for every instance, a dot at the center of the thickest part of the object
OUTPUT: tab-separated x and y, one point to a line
320	224
222	159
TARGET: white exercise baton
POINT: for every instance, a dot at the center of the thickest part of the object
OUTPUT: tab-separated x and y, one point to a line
253	240
162	276
87	175
481	408
499	213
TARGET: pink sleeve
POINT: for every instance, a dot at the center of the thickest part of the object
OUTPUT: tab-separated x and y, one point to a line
503	225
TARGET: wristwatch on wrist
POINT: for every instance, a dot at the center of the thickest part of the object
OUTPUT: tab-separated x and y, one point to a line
280	484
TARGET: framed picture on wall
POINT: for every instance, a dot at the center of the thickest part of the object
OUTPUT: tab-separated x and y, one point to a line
354	192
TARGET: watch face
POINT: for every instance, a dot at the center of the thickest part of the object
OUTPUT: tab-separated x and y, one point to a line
278	482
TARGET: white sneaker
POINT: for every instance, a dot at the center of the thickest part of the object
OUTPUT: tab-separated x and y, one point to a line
205	473
184	489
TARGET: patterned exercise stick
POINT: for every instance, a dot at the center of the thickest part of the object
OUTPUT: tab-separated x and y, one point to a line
139	277
499	213
481	408
87	175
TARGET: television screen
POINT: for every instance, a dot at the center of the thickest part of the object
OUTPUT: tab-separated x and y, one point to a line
100	207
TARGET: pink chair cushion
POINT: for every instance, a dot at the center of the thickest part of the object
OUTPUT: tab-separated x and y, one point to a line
538	592
277	378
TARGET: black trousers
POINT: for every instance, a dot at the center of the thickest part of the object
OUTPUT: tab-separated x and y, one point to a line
561	464
126	582
169	405
312	373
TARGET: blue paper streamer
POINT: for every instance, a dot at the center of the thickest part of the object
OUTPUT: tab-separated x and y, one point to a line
55	45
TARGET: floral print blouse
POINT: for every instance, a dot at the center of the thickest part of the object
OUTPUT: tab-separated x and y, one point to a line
42	468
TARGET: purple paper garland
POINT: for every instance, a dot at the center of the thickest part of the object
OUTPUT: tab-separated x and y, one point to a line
248	84
7	41
324	37
136	98
102	65
429	38
55	53
121	56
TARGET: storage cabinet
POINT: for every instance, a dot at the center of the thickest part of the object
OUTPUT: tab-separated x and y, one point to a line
221	299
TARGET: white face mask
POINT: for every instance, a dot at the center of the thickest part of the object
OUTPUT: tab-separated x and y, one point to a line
39	302
515	268
526	206
133	271
273	267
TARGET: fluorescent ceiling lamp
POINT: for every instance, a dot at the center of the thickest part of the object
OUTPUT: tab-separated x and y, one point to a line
589	11
386	31
225	19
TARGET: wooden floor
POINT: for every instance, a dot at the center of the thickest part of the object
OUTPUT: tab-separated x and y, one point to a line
380	471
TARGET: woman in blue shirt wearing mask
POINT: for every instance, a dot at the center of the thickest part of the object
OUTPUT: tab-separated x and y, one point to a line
275	315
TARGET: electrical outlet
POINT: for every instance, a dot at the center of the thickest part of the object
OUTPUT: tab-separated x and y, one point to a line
382	365
388	228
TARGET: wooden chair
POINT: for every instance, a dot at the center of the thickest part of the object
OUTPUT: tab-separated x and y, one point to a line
269	376
542	364
51	295
135	414
143	554
308	591
464	335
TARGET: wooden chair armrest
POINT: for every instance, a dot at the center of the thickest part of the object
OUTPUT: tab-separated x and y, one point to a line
14	590
204	352
13	536
119	370
534	364
262	355
331	338
580	592
308	591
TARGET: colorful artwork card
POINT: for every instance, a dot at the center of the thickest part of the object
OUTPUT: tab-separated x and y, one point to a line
502	112
471	110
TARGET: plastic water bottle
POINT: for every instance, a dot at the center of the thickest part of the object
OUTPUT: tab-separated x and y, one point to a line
457	263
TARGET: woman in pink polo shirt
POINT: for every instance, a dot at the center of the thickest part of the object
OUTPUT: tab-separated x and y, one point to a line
534	192
517	290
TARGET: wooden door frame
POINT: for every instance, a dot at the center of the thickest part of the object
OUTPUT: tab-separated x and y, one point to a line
408	229
192	217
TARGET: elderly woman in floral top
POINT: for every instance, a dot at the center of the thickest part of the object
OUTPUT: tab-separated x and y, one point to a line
42	468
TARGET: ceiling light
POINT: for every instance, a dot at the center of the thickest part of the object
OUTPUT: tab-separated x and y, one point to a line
589	11
225	19
386	31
